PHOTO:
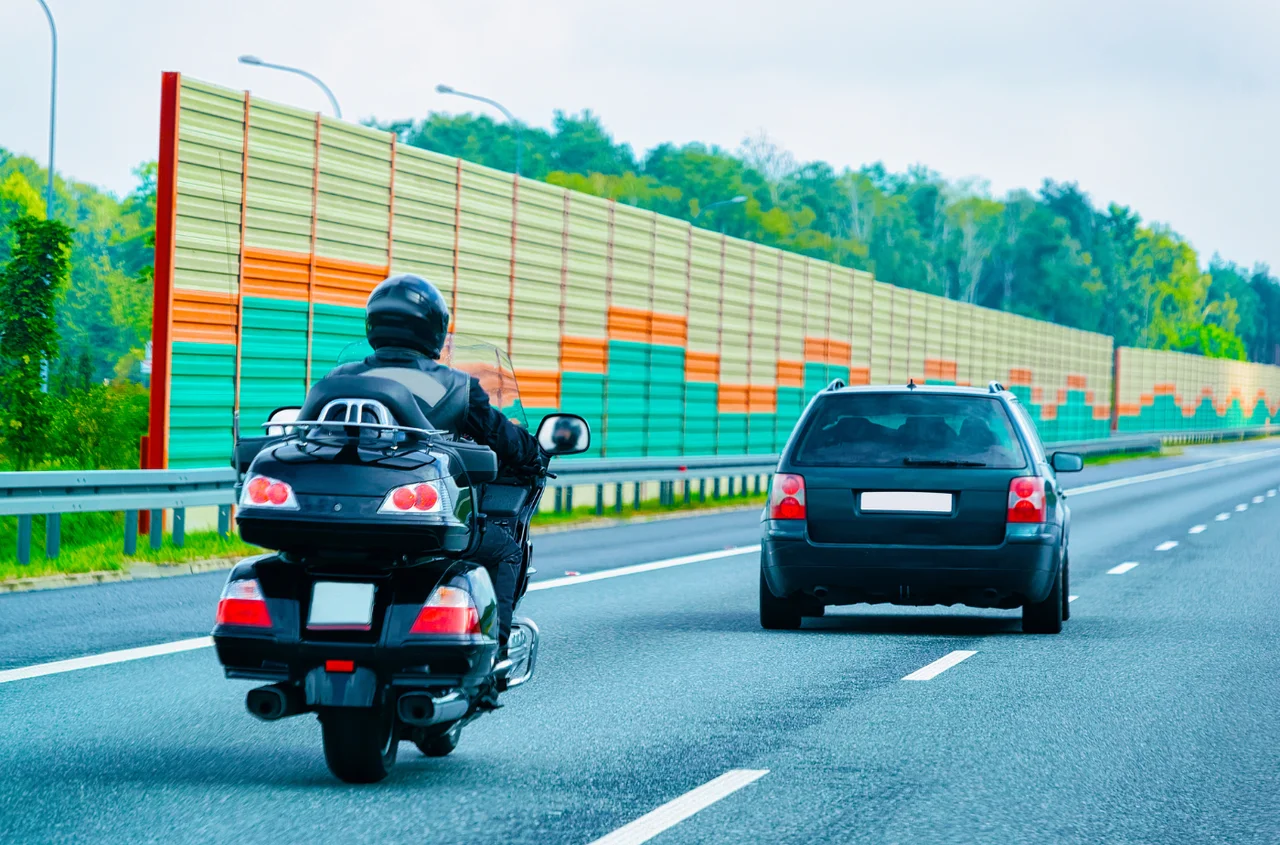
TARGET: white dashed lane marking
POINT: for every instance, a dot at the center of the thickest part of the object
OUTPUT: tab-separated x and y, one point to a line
1072	598
1242	507
1197	529
1257	500
1222	517
937	667
1121	569
1166	545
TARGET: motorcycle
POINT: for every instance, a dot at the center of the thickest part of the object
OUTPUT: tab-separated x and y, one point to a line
369	612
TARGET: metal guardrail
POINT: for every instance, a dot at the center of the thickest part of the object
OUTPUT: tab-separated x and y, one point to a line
26	494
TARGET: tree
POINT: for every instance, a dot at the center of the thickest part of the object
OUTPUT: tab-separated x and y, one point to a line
29	288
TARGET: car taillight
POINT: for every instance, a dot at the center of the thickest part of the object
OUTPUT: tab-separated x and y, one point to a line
413	498
1026	500
242	604
449	610
262	491
786	499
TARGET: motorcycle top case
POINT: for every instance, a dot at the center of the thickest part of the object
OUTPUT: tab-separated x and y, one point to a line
341	498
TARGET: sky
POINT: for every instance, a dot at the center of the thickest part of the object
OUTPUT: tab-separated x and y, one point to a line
1166	107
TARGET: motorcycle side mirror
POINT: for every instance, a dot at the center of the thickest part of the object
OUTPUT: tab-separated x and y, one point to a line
279	418
564	434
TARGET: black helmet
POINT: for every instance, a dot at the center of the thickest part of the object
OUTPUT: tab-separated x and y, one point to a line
407	311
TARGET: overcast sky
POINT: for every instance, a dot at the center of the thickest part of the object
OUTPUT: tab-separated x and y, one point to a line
1169	107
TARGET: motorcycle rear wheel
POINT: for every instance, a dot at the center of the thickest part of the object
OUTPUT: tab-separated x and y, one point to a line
360	744
437	743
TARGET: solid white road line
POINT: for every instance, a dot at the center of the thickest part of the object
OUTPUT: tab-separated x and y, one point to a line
1166	545
1242	507
1197	529
1121	569
673	812
937	667
1222	517
110	657
1257	500
103	659
1171	473
1072	598
552	583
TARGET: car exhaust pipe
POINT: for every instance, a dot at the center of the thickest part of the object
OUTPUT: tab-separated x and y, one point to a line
274	702
422	709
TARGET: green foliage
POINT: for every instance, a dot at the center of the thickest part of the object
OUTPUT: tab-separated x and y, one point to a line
1051	255
29	286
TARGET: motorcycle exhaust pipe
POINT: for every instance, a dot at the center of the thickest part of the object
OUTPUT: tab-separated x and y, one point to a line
422	709
274	702
819	592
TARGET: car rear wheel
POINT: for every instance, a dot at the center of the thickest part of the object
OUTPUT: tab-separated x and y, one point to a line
360	744
1066	587
1045	617
777	614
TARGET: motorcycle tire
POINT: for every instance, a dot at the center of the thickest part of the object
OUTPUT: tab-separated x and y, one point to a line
437	743
360	745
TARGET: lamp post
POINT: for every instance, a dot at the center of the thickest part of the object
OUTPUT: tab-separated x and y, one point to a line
333	101
53	107
731	201
446	89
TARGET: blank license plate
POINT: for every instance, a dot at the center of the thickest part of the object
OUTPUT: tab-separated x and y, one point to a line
905	501
340	605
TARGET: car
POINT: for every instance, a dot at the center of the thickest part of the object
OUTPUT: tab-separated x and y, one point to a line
916	495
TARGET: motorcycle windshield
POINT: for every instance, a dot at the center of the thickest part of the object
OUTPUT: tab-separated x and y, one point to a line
486	362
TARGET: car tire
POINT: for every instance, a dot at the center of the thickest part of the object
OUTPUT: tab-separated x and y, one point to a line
1045	617
1066	587
777	614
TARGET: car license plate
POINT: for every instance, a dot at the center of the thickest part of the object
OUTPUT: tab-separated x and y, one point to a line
905	501
341	605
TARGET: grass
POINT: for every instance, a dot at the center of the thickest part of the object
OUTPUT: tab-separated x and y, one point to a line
94	542
1104	460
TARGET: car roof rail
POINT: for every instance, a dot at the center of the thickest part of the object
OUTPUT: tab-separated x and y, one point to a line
836	384
995	387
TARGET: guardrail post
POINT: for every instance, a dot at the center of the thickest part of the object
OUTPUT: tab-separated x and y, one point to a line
559	500
715	489
130	533
744	485
157	528
599	500
635	498
224	520
179	526
702	489
687	492
52	535
617	498
731	487
24	539
568	499
757	485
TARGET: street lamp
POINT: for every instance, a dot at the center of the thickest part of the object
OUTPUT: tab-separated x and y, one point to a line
733	201
333	101
446	89
53	108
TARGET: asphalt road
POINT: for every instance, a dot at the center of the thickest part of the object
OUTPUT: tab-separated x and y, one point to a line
1152	718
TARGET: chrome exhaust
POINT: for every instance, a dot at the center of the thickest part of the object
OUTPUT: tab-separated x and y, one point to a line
274	702
422	709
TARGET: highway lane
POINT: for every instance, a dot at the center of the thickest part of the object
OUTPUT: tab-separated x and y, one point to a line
1152	714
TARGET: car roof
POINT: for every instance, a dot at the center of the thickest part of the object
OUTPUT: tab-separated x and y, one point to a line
932	389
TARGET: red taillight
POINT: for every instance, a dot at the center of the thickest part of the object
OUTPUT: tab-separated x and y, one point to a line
412	498
242	604
268	492
1026	500
341	667
786	500
450	610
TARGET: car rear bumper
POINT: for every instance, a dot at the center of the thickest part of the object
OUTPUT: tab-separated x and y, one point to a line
1019	570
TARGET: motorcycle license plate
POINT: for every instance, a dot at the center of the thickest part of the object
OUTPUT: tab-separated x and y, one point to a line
341	605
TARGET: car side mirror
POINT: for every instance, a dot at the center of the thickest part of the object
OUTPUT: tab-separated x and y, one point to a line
1067	462
564	434
279	418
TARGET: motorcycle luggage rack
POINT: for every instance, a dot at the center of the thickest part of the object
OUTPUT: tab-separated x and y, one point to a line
310	424
350	413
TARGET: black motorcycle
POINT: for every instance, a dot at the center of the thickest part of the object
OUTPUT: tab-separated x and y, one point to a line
370	613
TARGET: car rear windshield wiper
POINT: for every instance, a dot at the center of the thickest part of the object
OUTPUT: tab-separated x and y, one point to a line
940	462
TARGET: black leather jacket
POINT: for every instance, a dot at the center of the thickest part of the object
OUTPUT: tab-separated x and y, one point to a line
453	401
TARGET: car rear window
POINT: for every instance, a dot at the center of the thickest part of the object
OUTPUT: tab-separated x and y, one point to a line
900	429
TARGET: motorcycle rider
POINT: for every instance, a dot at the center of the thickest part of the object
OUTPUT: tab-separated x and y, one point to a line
407	323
